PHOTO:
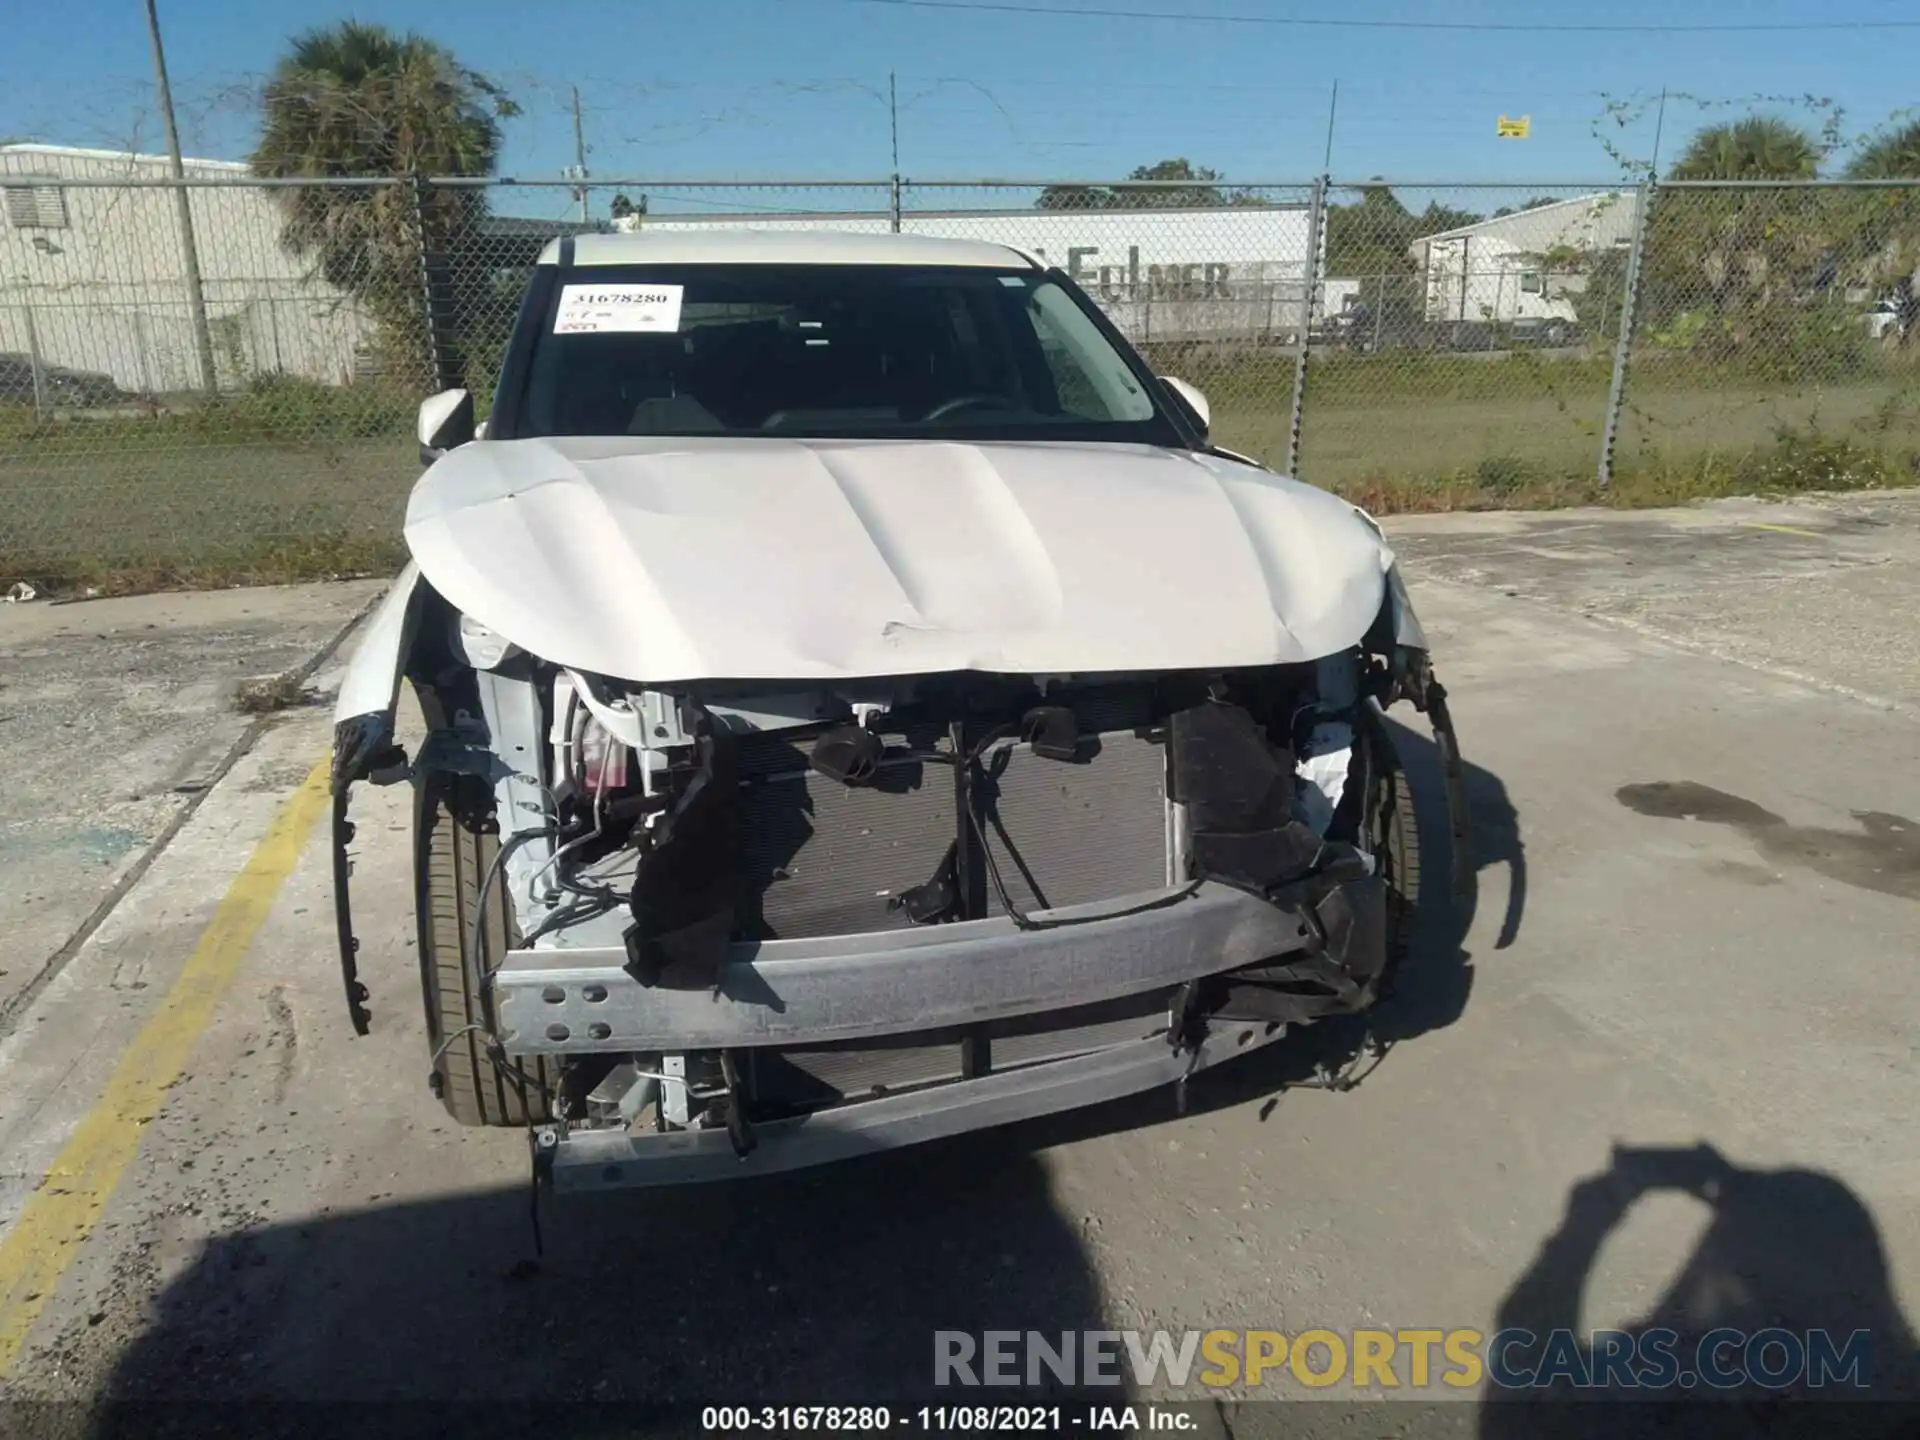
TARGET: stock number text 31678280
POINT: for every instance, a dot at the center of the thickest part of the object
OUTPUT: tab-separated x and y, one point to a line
978	1419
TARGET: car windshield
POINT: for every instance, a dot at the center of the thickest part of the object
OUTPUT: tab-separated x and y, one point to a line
824	351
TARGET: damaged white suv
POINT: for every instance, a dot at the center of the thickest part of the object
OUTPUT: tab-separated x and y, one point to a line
860	706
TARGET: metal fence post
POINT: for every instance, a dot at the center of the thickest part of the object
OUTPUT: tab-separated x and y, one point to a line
439	361
1309	303
36	365
1623	343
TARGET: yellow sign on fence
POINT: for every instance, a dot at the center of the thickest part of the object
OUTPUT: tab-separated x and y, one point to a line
1514	129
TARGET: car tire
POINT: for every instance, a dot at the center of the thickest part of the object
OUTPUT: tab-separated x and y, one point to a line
456	842
1393	834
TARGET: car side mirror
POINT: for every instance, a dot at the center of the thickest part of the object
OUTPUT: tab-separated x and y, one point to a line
1193	399
446	422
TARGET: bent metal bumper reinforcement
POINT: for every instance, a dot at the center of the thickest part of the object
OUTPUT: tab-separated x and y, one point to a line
580	1160
790	992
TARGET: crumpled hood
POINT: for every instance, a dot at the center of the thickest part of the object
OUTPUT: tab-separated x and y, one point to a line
664	560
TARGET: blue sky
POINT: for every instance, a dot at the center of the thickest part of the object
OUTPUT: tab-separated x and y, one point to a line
779	88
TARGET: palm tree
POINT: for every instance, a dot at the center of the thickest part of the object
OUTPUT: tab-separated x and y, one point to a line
1737	256
358	100
1760	147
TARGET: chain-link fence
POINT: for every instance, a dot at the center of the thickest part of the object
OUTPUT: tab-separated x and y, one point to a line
1465	340
244	406
1774	338
165	412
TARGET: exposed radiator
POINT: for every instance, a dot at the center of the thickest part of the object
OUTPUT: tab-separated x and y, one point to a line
823	858
1067	834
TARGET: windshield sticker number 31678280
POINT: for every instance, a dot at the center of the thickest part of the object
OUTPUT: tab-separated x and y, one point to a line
618	308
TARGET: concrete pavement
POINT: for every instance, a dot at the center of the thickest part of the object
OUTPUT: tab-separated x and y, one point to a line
116	717
1818	590
1695	920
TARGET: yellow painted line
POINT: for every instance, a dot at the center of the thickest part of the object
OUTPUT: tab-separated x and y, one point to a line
60	1215
1784	529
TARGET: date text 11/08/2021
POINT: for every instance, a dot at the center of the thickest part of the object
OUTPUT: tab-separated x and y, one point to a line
975	1419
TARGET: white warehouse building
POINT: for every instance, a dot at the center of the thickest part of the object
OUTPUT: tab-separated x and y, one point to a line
1215	273
1522	266
94	277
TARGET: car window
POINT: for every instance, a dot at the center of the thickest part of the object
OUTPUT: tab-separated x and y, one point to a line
1088	375
819	351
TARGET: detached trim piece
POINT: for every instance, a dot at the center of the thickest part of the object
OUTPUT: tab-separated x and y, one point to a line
1453	769
621	1159
357	996
794	992
363	749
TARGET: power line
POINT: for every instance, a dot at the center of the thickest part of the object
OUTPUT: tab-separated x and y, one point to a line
1101	86
1013	7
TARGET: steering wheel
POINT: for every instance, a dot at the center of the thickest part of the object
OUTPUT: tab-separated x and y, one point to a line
962	402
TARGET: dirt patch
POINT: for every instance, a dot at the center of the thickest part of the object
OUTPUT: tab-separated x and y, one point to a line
283	1040
269	694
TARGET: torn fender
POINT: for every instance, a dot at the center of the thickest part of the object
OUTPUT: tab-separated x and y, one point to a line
1406	629
363	714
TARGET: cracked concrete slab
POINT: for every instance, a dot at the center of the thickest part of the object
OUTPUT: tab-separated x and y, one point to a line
1819	589
115	715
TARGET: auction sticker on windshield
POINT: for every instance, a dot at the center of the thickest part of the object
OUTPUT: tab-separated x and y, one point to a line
618	308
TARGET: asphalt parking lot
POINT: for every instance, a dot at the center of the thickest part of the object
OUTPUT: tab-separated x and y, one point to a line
1696	919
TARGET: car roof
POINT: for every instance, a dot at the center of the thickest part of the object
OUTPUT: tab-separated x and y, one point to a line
717	246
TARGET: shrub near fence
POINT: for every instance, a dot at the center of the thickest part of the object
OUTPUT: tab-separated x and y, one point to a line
1412	346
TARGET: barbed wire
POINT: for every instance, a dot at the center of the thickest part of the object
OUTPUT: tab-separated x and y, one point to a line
1039	118
1624	112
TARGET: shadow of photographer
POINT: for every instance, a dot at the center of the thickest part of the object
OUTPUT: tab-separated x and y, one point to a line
1792	1252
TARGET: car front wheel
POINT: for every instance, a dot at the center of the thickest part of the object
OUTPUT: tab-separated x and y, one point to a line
456	844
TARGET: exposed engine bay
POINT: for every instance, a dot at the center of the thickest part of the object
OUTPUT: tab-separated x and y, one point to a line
724	818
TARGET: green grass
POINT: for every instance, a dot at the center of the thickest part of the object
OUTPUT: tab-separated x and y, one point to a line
286	480
191	515
1427	433
294	481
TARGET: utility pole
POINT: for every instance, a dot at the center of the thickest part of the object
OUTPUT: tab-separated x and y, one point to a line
579	155
1333	108
190	252
893	119
1659	124
893	130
